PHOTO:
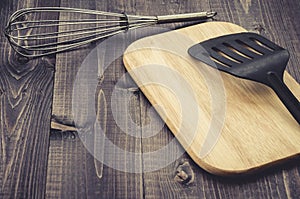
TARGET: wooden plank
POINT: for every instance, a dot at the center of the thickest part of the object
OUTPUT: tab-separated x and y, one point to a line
74	172
67	65
81	174
282	183
25	102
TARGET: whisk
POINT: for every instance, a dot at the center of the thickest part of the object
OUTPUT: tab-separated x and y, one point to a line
32	33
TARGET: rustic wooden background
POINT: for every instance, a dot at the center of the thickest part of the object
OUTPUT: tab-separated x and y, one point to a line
37	161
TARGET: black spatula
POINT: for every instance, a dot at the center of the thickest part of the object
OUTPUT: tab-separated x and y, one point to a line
250	56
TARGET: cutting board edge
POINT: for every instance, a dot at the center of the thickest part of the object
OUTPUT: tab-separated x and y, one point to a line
216	170
209	167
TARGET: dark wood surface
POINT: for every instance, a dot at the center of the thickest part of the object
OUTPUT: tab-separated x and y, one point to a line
26	90
38	163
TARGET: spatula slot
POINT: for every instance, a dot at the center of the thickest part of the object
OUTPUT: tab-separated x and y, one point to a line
219	62
223	54
262	44
248	47
237	51
253	57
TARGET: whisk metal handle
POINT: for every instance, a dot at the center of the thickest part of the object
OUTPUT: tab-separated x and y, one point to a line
185	17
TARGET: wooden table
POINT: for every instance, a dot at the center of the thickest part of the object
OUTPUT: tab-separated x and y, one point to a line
38	161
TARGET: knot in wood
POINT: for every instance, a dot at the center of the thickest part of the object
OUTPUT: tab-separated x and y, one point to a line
184	173
22	60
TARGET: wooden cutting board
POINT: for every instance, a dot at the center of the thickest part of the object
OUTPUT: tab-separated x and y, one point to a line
226	124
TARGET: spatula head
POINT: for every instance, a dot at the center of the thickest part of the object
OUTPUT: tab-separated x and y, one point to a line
245	55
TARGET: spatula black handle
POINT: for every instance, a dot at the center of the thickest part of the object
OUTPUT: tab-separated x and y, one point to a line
285	95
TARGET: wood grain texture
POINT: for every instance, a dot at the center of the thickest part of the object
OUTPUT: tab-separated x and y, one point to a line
95	178
262	185
254	119
25	104
282	182
67	65
74	172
